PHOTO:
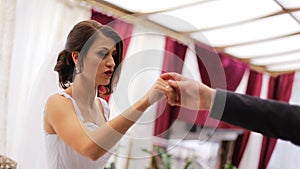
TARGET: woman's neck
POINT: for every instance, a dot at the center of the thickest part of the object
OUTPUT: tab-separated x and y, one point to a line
84	90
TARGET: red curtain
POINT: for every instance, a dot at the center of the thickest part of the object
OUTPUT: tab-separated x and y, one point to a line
280	88
254	89
173	62
122	28
234	71
217	70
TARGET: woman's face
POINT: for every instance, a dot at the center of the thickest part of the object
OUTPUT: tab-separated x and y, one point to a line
99	63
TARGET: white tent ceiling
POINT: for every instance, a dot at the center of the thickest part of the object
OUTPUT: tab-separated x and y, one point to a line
264	33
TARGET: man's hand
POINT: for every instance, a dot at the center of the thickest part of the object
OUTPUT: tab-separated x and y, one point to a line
188	93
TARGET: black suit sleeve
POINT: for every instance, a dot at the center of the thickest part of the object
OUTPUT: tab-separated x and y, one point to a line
269	117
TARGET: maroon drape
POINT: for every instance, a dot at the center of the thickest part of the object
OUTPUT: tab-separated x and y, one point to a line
210	67
234	71
122	28
217	70
254	89
280	88
173	62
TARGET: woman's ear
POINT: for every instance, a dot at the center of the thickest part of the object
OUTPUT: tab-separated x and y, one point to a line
75	56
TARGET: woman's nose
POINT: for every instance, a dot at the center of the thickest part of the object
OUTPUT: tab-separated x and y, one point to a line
110	61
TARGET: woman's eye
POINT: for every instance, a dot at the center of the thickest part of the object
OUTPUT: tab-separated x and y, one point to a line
102	54
114	54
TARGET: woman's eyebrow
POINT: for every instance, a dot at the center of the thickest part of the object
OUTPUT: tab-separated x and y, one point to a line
102	48
106	48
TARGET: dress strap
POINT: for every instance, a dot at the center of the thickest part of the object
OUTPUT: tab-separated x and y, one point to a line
77	110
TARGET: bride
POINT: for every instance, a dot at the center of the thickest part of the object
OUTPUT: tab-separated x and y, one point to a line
78	132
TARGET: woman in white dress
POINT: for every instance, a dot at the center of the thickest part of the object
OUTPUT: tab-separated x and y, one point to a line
78	133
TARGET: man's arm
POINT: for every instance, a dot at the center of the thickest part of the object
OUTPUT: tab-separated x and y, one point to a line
269	117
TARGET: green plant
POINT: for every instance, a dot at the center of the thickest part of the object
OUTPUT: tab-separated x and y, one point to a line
229	166
111	166
162	160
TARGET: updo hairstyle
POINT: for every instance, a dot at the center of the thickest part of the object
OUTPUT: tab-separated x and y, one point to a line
80	39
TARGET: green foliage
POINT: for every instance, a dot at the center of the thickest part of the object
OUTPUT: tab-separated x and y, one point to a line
188	164
162	160
229	166
112	166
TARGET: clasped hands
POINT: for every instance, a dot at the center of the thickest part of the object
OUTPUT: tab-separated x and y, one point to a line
182	91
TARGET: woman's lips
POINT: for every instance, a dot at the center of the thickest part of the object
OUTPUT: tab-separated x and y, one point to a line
109	72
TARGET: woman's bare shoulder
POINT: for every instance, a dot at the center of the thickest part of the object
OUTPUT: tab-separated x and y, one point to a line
57	102
57	109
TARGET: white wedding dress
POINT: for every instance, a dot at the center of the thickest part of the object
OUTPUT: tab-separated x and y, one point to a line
61	156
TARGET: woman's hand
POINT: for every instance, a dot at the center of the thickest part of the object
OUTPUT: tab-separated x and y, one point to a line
160	89
188	93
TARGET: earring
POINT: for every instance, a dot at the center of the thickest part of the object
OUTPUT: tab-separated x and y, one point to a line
76	69
68	84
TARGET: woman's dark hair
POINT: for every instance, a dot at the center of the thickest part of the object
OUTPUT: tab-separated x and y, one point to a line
80	39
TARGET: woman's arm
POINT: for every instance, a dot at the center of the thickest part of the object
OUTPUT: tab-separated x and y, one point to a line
60	115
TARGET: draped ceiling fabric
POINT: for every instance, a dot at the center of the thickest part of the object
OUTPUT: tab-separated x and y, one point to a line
228	76
254	89
285	150
211	74
280	88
